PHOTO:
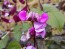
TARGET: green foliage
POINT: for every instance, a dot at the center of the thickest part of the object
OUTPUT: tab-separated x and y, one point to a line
18	32
3	42
14	45
56	18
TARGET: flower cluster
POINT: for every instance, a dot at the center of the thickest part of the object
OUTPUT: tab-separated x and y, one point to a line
39	22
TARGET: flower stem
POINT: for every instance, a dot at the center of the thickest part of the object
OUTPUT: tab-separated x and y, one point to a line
41	7
27	5
35	42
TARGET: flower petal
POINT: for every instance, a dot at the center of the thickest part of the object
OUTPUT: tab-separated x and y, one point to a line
29	15
30	47
23	38
32	31
22	15
37	16
42	34
43	18
38	25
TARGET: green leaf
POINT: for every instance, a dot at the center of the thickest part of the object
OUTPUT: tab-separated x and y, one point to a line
14	45
3	42
18	32
56	18
37	10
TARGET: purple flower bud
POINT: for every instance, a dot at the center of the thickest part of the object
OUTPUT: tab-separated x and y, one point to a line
32	31
13	10
22	1
14	1
16	18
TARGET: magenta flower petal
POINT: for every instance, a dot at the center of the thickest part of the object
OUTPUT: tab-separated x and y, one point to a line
43	34
43	18
22	1
22	15
32	31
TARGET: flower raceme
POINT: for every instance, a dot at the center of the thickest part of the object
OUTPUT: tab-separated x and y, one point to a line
32	15
39	22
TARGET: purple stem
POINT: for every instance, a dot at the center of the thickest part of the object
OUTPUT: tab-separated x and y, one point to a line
27	5
35	42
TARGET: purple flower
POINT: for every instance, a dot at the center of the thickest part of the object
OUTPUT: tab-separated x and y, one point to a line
43	18
32	16
40	29
22	15
32	31
39	22
30	47
25	37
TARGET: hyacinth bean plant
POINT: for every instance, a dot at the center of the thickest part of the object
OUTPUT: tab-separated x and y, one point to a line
39	23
